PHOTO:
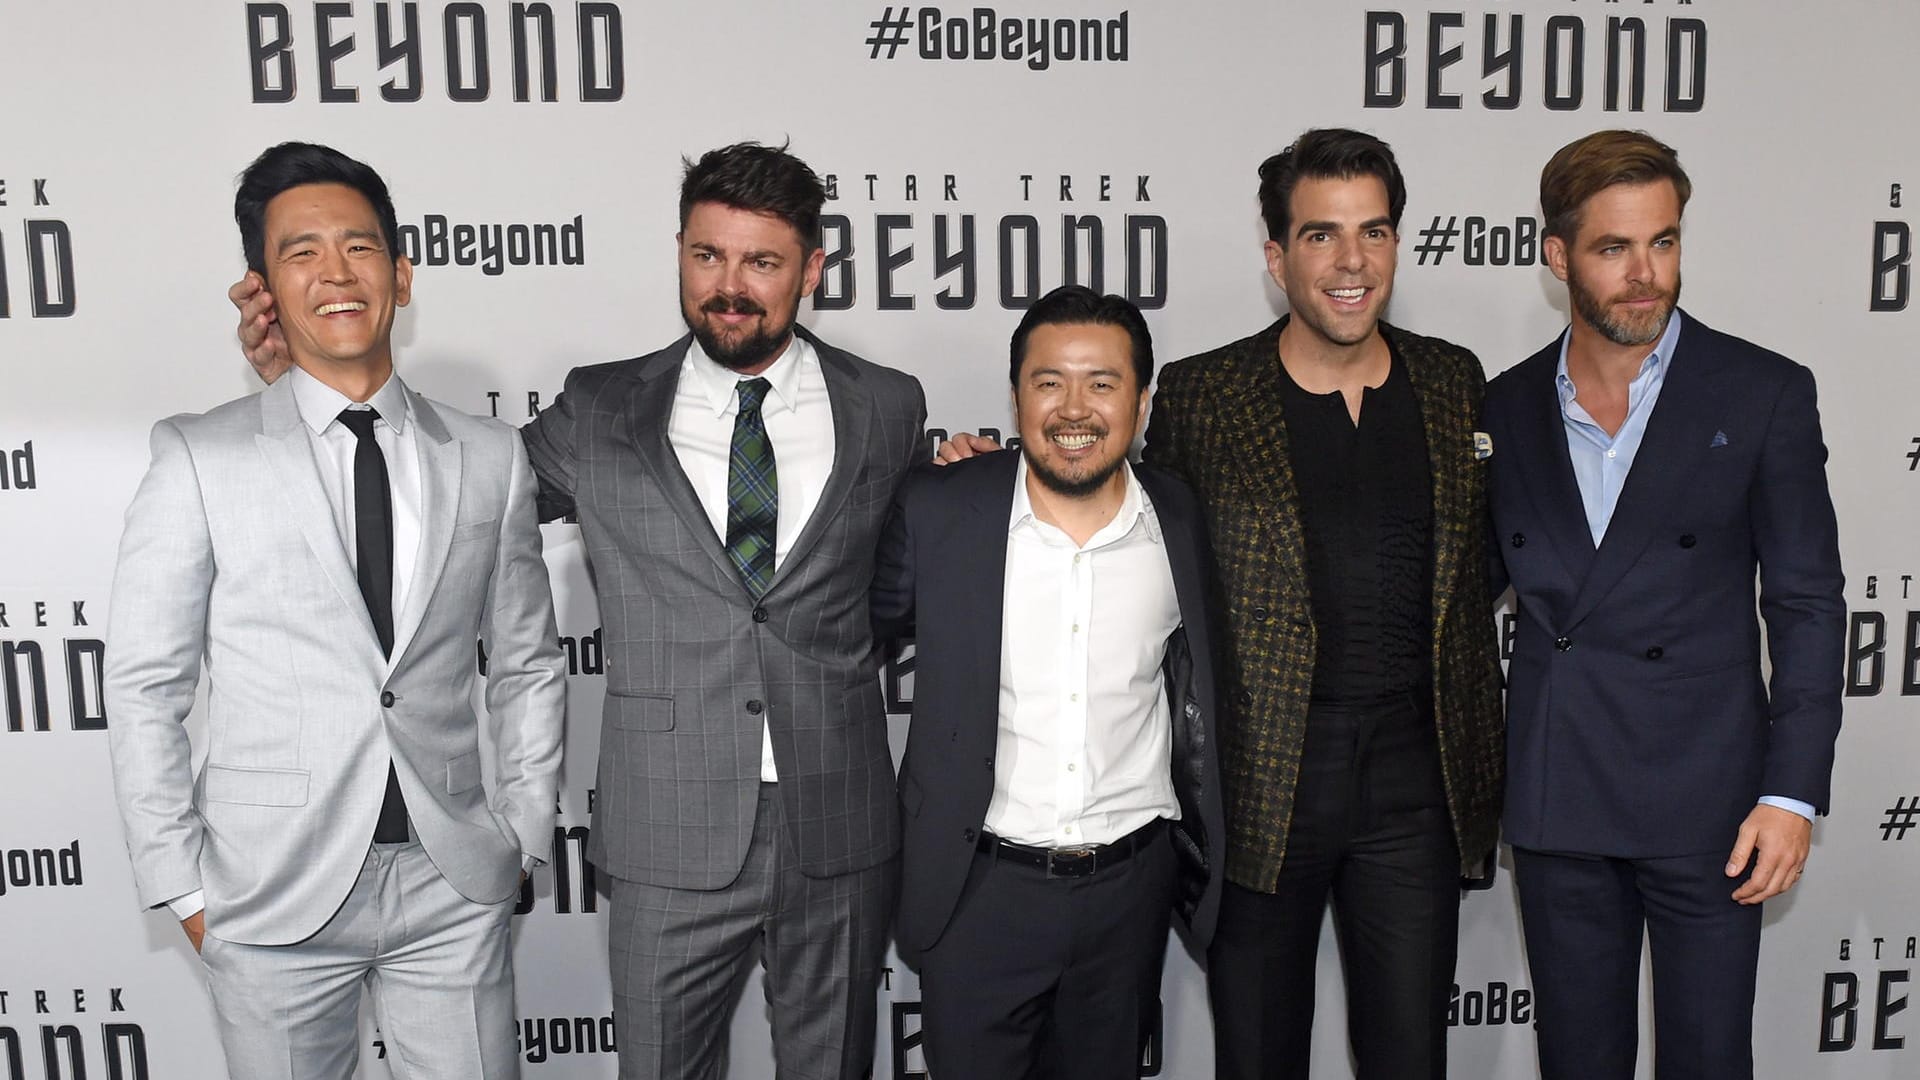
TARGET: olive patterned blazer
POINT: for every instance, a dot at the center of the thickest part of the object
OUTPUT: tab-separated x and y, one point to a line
1217	423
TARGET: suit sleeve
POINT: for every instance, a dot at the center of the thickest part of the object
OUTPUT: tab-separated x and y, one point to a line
526	677
891	599
157	621
1797	540
552	448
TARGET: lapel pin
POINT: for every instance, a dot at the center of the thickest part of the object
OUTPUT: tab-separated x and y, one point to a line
1719	440
1482	446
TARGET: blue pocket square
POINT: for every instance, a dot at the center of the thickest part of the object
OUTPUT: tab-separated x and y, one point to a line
1719	440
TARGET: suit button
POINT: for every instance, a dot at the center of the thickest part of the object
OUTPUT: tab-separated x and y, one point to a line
1246	697
1261	614
989	763
759	614
1688	541
1192	710
386	699
755	707
1519	540
970	835
1656	653
1563	644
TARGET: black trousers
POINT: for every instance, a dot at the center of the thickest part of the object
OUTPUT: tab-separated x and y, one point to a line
1048	977
1370	831
1585	918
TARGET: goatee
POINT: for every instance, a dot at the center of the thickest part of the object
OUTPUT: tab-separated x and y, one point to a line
744	351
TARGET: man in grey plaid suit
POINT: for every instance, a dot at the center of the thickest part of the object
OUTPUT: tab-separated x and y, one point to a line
730	489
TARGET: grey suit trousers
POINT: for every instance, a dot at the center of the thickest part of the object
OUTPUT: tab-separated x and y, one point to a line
678	958
439	965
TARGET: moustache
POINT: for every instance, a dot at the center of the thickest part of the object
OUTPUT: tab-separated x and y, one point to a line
739	305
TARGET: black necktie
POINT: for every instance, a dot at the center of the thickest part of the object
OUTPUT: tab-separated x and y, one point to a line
373	558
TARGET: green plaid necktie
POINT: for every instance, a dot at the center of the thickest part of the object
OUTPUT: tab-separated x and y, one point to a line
753	492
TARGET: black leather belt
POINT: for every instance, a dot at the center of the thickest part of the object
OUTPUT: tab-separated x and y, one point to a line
1073	862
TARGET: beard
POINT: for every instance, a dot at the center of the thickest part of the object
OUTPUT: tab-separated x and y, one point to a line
743	351
1623	328
1075	486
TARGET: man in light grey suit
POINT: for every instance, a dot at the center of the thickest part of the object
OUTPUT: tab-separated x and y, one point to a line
329	550
731	488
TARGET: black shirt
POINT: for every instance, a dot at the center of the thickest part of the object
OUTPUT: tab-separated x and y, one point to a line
1366	504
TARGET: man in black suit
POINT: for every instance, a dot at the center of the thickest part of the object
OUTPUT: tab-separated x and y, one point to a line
1643	467
1060	785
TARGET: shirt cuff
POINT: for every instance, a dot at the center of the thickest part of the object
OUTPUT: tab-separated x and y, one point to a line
186	907
1805	810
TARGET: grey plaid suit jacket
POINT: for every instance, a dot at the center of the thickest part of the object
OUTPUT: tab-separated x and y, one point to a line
694	665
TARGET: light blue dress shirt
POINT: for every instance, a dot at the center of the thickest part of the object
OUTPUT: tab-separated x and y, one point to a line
1601	461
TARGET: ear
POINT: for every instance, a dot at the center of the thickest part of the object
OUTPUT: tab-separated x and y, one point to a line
1555	250
402	281
1140	417
816	260
1277	263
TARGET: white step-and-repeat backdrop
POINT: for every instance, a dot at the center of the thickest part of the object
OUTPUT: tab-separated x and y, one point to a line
977	156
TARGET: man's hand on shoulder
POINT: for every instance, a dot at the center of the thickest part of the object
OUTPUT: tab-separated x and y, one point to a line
963	445
260	337
1777	841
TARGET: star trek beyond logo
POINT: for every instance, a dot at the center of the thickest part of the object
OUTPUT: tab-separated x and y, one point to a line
70	1034
36	251
900	242
338	52
1892	259
1504	60
1862	1001
1883	635
494	247
52	668
40	868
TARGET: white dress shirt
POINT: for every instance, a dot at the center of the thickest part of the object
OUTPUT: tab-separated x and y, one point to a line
333	446
799	419
1085	748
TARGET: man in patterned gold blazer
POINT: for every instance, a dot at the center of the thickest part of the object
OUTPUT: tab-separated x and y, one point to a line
1336	462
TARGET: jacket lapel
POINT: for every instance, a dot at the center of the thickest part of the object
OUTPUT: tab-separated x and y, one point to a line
283	441
1551	486
440	466
852	410
1677	440
1449	456
1256	428
649	421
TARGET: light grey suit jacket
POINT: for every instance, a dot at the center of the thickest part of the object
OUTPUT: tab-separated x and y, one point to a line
694	665
231	559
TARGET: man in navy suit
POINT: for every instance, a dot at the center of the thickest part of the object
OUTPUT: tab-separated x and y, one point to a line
1643	466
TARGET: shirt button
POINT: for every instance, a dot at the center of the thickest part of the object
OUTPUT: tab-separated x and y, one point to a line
1563	644
1071	767
1068	829
755	706
1076	628
1076	560
1611	453
1073	697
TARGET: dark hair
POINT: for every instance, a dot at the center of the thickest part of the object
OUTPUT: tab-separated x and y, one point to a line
1585	167
1077	305
291	165
763	179
1326	154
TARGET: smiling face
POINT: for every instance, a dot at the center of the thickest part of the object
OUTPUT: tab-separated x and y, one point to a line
334	283
1337	264
1622	267
742	274
1078	404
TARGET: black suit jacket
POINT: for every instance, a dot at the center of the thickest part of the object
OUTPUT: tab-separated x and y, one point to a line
941	577
1638	721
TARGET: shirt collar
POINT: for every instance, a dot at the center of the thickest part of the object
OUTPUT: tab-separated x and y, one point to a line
320	405
1135	506
1657	360
719	385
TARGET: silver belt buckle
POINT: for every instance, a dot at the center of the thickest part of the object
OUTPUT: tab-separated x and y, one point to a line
1070	861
